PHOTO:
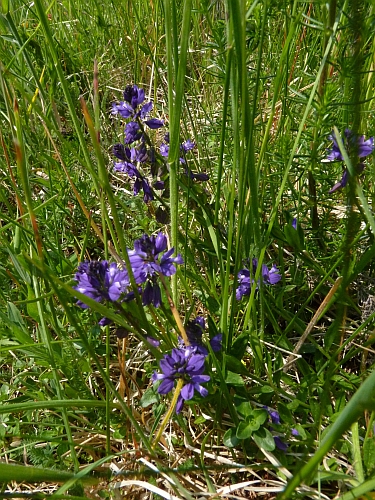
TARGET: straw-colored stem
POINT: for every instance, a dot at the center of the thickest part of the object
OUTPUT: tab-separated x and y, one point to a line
176	316
168	415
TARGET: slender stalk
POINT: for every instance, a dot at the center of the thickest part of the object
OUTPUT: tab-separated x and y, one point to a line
168	415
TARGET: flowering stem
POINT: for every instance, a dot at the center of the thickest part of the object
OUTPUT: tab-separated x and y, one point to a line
168	415
175	312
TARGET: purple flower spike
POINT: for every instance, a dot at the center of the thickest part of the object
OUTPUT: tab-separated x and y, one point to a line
146	259
351	142
134	95
245	282
185	364
101	281
295	432
294	223
129	108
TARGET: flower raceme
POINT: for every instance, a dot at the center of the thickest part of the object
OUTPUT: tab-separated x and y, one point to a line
134	151
149	259
246	280
186	364
101	281
128	108
354	144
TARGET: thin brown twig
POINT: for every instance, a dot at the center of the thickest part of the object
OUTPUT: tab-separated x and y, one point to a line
292	358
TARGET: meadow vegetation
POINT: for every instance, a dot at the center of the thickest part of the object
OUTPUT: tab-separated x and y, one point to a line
186	249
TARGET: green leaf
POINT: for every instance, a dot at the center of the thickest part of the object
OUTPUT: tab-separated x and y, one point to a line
199	420
260	416
11	472
264	439
234	379
238	348
294	237
244	430
244	408
230	439
149	397
235	365
285	414
32	306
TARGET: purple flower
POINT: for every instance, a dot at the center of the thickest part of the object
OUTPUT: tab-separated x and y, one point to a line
101	281
275	416
128	108
132	132
345	177
164	149
198	176
158	185
128	157
185	364
187	145
352	143
134	95
280	443
184	147
295	432
151	294
147	259
294	223
142	183
154	123
216	342
245	281
194	331
151	340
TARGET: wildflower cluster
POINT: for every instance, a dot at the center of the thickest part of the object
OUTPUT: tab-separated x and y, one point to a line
110	283
353	145
187	363
246	278
150	262
149	259
137	153
183	363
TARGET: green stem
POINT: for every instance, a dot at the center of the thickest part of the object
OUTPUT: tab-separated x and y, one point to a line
356	452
